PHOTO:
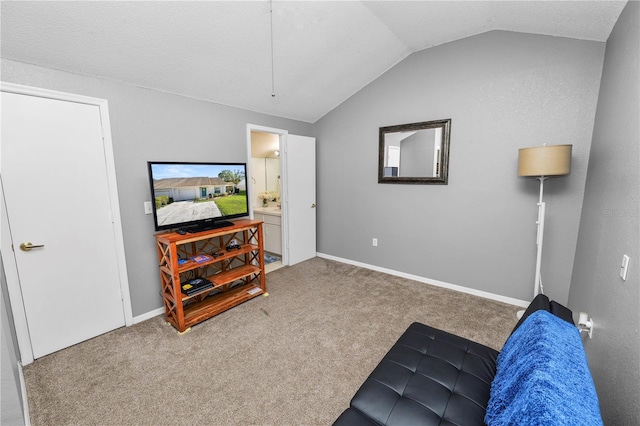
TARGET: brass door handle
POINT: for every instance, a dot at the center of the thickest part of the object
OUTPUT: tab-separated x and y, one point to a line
28	246
313	206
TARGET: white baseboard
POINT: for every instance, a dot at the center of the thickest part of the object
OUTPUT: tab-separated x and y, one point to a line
479	293
486	295
23	391
148	315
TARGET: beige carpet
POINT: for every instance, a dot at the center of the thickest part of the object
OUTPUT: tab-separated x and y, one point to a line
293	358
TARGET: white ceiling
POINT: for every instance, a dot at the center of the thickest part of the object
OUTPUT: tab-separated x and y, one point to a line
220	51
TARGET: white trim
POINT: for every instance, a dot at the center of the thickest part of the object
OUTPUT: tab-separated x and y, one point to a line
13	284
486	295
151	314
49	94
115	211
509	300
25	401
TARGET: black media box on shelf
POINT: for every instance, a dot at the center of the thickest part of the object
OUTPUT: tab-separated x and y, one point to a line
195	285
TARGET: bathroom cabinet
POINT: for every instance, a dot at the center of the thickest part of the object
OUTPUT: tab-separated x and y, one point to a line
272	229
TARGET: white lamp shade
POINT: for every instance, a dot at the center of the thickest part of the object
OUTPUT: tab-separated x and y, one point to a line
552	160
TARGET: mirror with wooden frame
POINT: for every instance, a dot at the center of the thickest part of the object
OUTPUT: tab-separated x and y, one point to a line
416	153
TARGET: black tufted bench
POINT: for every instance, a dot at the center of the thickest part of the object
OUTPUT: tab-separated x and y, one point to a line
431	377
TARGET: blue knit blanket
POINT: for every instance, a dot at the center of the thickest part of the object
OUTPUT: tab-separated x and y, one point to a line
543	377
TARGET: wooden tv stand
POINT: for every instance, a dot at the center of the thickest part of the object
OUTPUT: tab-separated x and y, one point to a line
237	274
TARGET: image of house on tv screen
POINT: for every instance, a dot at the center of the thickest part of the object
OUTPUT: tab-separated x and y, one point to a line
192	192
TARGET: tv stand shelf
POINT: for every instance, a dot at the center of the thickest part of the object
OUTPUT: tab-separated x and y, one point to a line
237	274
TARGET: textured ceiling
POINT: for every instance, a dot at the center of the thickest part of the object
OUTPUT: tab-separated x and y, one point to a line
220	51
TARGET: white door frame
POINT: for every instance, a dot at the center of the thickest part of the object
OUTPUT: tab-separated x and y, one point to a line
8	258
284	223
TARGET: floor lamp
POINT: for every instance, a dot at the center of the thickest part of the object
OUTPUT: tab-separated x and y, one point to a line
543	162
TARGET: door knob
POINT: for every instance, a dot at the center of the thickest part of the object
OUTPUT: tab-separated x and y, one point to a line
28	246
313	206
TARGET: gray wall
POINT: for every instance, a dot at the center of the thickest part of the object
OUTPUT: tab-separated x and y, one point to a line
150	125
503	91
609	229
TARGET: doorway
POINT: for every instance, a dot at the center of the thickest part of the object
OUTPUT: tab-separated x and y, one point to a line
266	190
285	200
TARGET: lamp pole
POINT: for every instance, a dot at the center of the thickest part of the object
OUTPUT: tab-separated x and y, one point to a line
537	284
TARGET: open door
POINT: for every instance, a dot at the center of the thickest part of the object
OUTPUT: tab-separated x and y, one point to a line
299	173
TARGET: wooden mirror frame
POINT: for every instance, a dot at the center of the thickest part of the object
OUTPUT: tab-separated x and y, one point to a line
442	178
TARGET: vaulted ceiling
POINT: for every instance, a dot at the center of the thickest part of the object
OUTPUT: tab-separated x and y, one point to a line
221	51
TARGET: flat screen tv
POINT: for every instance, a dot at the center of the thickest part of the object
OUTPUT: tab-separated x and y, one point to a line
197	196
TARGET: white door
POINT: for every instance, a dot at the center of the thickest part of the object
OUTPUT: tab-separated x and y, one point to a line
57	195
299	158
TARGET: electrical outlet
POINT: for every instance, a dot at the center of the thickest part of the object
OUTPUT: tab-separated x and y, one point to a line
375	242
624	267
147	207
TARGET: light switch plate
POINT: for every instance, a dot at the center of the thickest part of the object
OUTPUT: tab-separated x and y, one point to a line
147	207
624	267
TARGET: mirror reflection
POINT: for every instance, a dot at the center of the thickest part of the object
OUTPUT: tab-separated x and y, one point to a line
272	175
414	153
265	169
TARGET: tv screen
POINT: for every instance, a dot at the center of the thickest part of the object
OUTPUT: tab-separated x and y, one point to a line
197	196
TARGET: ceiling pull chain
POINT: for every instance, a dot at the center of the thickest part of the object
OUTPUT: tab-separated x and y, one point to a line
273	86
